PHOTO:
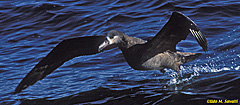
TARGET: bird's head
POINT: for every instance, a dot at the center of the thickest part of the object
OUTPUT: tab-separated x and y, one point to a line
113	37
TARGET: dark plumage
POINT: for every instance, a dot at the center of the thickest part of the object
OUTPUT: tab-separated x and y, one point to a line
157	53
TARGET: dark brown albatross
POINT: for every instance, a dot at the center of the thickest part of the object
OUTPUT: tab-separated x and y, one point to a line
155	54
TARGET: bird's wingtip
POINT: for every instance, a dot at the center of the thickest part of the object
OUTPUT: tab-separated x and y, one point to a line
18	89
201	39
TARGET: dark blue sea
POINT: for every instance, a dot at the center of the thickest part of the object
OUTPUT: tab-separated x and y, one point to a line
30	29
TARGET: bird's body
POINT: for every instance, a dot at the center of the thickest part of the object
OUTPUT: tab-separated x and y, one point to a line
133	50
155	54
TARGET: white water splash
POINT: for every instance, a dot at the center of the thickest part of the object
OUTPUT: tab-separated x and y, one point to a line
193	72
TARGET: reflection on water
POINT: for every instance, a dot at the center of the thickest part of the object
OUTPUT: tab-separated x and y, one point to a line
30	29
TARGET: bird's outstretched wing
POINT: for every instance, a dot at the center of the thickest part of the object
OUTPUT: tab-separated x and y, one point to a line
64	51
176	29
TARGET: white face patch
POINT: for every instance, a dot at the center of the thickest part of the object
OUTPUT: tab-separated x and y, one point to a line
115	39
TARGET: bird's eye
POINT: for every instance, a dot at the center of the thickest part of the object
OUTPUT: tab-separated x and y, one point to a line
110	37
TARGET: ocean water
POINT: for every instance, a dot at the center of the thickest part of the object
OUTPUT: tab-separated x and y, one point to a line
29	30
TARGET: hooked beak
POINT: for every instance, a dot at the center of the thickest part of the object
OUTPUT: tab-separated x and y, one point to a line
103	45
106	45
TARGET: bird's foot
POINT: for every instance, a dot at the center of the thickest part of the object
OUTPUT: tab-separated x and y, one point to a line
162	71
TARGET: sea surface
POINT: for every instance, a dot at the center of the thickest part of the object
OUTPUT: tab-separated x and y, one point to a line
30	29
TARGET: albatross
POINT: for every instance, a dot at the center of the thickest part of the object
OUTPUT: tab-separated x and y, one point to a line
155	54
